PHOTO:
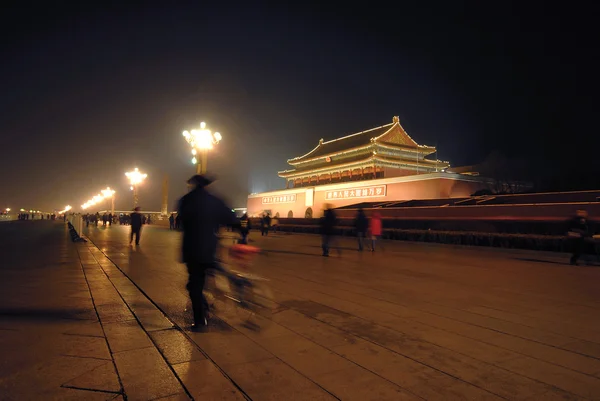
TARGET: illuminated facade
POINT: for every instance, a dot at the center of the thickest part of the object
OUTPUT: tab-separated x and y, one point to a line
382	152
382	163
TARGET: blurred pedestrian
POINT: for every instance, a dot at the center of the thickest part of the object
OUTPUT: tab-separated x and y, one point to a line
265	224
201	214
136	225
327	223
376	229
245	227
578	232
361	225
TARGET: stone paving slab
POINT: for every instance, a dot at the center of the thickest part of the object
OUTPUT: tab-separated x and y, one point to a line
272	379
52	345
213	386
102	378
145	374
433	322
176	347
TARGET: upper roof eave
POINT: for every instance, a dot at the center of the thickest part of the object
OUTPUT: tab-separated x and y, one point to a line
303	158
370	158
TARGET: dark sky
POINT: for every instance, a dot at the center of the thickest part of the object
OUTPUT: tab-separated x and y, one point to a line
91	91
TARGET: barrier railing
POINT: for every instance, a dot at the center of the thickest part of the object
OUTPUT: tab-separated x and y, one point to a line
75	227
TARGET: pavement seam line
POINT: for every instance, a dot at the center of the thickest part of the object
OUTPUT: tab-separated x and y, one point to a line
122	389
86	357
79	335
175	326
91	389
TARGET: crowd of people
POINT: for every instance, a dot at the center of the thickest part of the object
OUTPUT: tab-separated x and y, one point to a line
174	222
368	230
33	216
108	219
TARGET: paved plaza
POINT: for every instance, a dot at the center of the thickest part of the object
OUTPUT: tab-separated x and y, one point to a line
105	321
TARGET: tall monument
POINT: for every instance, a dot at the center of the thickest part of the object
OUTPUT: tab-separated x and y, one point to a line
164	210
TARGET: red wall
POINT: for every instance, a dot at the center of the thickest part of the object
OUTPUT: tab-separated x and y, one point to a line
531	212
256	207
435	188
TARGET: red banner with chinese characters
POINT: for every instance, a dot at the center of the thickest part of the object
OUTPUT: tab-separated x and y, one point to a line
268	200
353	193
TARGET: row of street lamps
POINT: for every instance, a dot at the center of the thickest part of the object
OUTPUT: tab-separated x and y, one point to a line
104	194
7	210
201	140
135	179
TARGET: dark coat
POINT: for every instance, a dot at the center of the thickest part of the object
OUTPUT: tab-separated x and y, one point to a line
245	225
361	223
201	216
136	221
579	224
328	222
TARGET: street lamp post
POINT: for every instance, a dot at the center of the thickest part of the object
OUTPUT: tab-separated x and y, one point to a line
135	178
201	141
109	193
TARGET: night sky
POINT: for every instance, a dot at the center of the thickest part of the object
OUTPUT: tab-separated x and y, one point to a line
89	92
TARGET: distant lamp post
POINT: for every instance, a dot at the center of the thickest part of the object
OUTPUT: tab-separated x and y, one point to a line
201	141
135	179
110	194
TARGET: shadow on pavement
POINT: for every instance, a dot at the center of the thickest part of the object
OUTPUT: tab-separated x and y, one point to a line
335	248
45	314
582	261
268	251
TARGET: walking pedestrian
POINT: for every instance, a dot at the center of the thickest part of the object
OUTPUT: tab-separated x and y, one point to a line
244	228
328	222
136	225
376	229
361	224
579	231
201	214
172	221
265	224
